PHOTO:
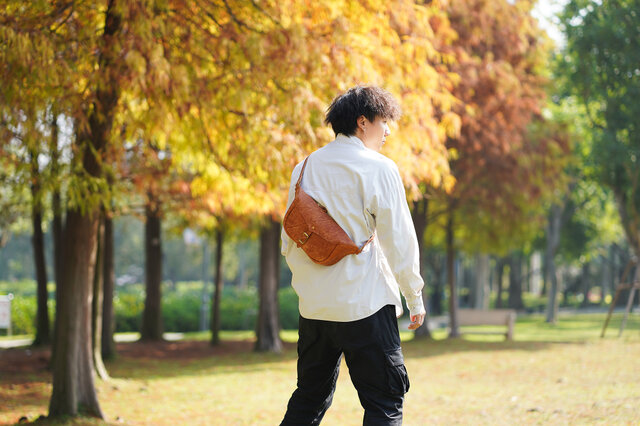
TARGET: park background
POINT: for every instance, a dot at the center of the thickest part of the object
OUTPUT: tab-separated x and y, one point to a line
146	149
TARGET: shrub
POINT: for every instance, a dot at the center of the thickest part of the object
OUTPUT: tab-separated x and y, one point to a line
180	309
128	309
23	315
289	314
181	312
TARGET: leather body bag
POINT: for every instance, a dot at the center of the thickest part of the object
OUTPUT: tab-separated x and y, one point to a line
312	229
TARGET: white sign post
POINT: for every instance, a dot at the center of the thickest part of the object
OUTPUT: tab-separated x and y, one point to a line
5	312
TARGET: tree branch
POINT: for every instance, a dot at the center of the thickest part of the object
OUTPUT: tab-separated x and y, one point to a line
239	22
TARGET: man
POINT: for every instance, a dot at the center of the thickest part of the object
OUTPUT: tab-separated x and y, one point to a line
351	307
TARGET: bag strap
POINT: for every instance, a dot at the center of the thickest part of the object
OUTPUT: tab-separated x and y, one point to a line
301	173
367	242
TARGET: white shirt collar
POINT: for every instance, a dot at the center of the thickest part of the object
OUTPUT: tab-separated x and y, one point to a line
349	139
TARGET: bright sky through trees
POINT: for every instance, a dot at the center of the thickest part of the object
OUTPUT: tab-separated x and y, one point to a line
545	11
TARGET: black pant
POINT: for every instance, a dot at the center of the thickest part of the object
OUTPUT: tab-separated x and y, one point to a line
371	347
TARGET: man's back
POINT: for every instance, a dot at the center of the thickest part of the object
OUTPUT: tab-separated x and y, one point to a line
354	183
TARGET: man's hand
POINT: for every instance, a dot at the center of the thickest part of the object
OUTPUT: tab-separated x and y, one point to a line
416	321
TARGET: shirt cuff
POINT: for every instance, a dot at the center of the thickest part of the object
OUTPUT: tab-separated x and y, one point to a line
416	306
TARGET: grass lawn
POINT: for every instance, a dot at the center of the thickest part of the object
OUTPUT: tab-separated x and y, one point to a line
563	374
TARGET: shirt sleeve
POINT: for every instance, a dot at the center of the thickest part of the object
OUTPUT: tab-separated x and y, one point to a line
292	190
397	236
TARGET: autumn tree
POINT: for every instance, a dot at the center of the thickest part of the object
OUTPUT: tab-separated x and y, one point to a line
25	134
280	121
100	58
497	166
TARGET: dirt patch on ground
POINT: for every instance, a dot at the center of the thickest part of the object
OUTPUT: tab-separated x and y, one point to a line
182	349
17	361
24	360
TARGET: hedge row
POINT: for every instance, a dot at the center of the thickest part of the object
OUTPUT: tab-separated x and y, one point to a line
180	309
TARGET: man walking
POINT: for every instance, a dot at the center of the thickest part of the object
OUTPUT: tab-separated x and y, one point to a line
351	307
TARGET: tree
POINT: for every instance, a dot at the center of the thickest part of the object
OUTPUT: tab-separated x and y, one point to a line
419	216
480	291
42	317
152	315
97	60
601	65
500	171
515	280
25	144
268	327
98	303
42	28
108	346
581	218
218	284
282	120
73	385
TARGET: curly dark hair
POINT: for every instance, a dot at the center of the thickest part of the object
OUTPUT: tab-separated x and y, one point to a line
370	101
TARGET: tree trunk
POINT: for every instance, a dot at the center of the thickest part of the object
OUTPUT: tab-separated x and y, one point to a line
536	276
515	281
481	291
629	218
553	239
611	278
438	291
526	274
204	295
152	316
585	284
500	281
545	275
56	226
73	385
42	316
217	294
419	216
453	292
268	328
58	246
96	320
109	279
438	265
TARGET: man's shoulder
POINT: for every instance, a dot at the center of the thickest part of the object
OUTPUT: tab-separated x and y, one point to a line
380	163
364	159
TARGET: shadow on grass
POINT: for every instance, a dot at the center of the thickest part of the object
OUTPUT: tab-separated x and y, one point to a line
151	360
144	359
185	358
424	348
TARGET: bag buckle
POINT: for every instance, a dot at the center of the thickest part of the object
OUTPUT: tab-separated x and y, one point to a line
306	238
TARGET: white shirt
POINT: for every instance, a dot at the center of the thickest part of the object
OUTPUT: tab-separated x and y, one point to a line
363	192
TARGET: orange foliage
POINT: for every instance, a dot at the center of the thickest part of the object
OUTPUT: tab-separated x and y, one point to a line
499	53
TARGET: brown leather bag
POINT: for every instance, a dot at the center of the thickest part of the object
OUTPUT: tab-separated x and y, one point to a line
312	229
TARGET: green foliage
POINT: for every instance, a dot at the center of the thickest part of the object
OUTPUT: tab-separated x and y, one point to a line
180	307
591	221
240	309
601	67
128	309
181	311
289	314
23	314
593	225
